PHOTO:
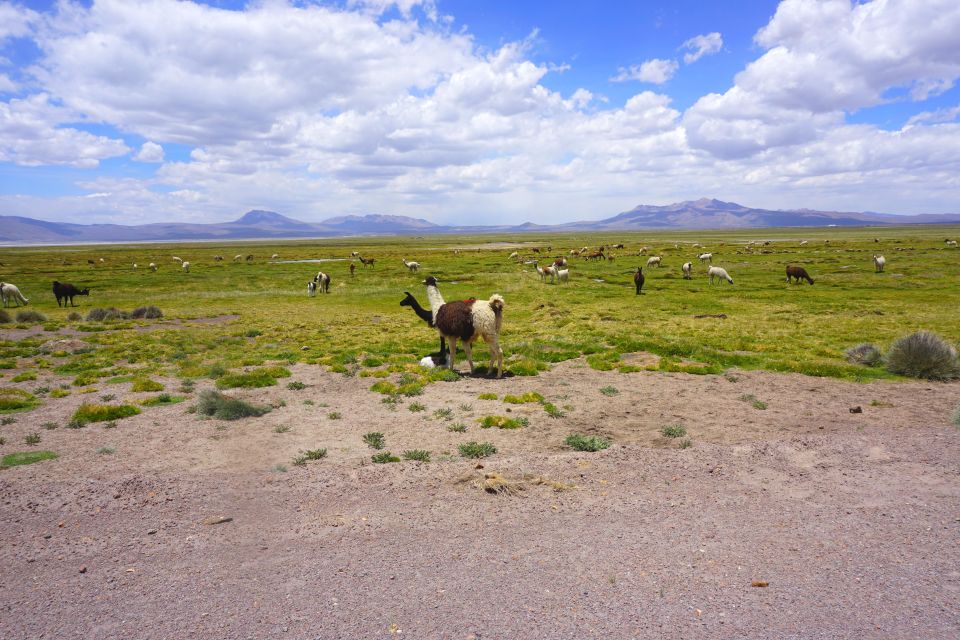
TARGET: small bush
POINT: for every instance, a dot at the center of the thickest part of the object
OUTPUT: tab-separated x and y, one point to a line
5	317
552	410
686	444
334	415
30	316
865	354
87	413
300	460
33	438
263	377
281	428
59	393
384	387
586	443
673	431
384	458
98	314
12	400
106	450
477	449
296	386
457	427
411	389
162	400
502	422
315	454
530	396
213	403
26	457
923	354
149	312
487	396
49	426
609	391
24	376
73	316
445	413
416	407
145	384
419	455
374	440
8	420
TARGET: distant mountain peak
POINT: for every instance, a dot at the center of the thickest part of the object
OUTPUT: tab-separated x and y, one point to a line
258	216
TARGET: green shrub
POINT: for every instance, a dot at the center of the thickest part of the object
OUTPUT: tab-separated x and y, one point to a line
410	389
923	354
218	405
609	391
24	376
255	378
419	455
87	413
145	384
296	386
32	438
26	457
149	312
477	449
865	354
98	314
530	396
315	454
162	399
586	443
384	457
502	422
457	427
673	431
30	316
487	396
384	387
552	410
12	400
374	439
416	407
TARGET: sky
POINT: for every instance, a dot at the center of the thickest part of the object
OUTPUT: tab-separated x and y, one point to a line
467	112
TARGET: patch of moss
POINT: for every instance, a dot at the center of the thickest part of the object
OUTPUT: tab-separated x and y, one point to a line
88	412
26	457
13	400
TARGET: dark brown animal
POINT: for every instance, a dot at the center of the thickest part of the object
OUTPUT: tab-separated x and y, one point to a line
353	267
638	279
799	273
64	291
367	262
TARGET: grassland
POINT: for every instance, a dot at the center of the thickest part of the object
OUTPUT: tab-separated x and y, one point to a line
223	316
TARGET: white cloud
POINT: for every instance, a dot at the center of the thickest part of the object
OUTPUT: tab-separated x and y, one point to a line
149	152
702	45
16	21
656	71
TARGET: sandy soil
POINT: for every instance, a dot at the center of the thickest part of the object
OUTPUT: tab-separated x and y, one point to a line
851	519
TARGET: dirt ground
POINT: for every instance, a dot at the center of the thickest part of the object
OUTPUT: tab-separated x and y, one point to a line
851	520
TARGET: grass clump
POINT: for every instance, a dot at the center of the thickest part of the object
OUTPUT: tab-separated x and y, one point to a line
420	455
334	415
416	407
586	443
161	400
145	384
12	400
502	422
673	431
923	354
375	440
222	407
98	314
315	454
457	427
24	376
487	396
865	354
385	387
553	411
5	317
30	316
106	450
609	390
26	457
256	378
477	449
752	399
296	385
149	312
88	412
384	458
530	396
59	393
8	420
281	428
686	444
445	413
32	438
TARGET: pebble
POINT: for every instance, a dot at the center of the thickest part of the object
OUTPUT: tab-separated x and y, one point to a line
217	520
83	569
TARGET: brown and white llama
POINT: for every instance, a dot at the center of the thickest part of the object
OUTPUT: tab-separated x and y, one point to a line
468	320
323	282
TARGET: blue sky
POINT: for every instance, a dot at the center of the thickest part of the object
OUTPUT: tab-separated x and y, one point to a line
454	111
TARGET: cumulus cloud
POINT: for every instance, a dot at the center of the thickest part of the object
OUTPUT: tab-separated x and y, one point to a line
703	45
655	71
150	152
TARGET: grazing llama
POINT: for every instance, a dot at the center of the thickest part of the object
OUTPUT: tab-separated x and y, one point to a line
468	320
367	262
879	262
311	288
687	268
719	272
323	281
10	292
563	275
638	279
654	261
706	257
66	291
412	266
799	273
186	267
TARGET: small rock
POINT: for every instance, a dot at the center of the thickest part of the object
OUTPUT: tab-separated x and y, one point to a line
217	520
759	583
47	536
83	569
857	409
151	532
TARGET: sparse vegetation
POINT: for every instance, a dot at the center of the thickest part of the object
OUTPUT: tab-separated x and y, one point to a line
502	422
445	413
609	390
752	401
13	400
281	428
106	451
866	354
334	415
263	377
145	384
457	427
673	431
8	420
467	408
487	396
149	312
686	444
530	396
87	413
32	438
477	449
923	354
26	457
552	410
586	443
419	455
296	385
49	426
416	407
30	317
384	458
315	454
25	376
162	399
222	407
375	440
108	397
956	416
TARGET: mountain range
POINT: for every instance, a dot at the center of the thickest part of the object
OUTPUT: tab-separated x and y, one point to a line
693	214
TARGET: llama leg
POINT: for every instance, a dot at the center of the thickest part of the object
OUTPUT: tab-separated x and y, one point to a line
468	348
452	343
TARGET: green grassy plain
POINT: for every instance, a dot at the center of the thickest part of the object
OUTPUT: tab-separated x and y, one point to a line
359	328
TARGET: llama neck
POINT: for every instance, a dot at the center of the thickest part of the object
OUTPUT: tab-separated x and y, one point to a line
436	300
420	311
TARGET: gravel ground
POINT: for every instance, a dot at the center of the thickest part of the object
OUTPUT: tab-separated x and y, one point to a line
851	520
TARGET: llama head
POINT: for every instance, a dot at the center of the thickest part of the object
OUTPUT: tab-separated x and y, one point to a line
430	281
84	292
408	300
